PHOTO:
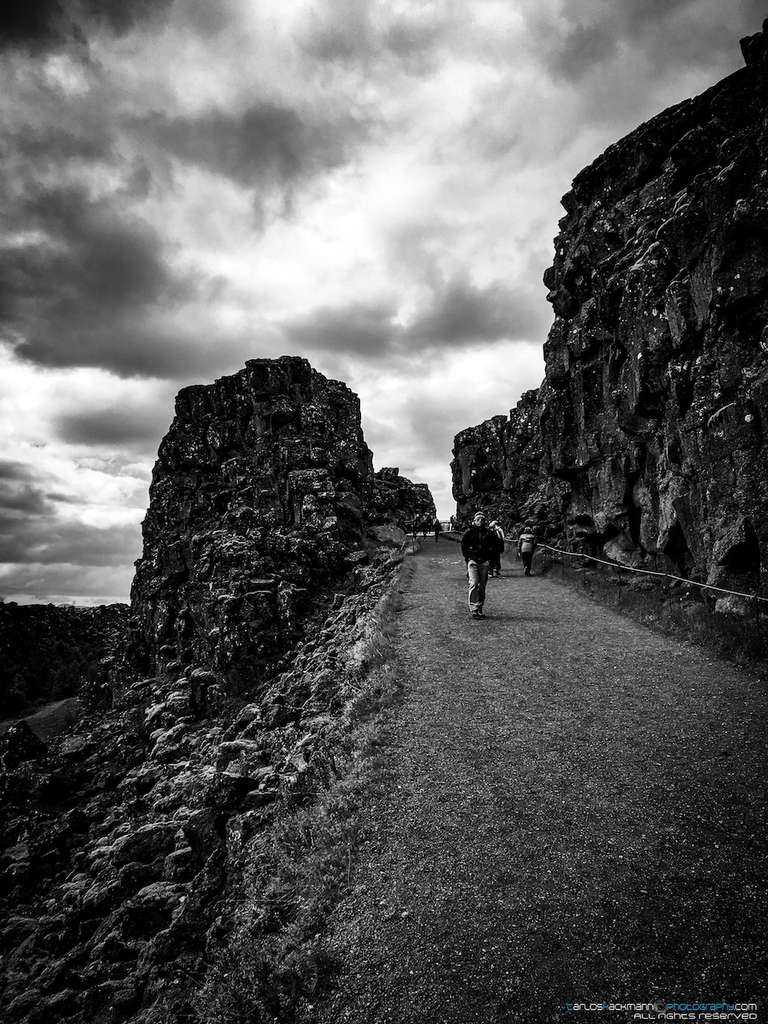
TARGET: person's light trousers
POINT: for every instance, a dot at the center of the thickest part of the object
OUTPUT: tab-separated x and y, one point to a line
477	577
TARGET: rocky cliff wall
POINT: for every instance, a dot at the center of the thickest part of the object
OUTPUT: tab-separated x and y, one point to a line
652	414
255	613
497	463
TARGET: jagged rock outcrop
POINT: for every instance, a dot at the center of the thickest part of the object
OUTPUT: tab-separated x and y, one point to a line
254	615
652	414
256	506
496	464
399	503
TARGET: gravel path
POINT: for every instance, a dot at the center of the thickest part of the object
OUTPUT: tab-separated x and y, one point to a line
574	810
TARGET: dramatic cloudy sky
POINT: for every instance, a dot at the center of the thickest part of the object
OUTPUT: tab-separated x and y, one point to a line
373	184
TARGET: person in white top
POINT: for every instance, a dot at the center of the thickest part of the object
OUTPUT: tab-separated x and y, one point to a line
495	566
526	545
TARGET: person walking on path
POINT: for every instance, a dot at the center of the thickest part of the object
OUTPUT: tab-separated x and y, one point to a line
526	545
552	825
479	546
437	527
495	565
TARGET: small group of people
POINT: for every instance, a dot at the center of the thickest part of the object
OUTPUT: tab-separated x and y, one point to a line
482	546
425	527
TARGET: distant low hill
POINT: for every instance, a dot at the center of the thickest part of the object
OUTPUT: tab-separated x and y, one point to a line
47	650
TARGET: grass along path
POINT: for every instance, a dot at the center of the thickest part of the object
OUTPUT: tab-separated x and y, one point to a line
574	811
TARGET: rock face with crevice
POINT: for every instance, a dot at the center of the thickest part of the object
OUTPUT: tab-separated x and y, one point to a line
649	430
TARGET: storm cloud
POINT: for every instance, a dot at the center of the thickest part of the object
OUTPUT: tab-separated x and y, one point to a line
76	271
84	283
33	24
359	33
47	551
463	312
670	34
268	142
362	328
39	25
56	542
133	429
189	184
458	313
20	493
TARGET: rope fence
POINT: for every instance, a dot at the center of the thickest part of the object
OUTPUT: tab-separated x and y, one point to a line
411	538
650	572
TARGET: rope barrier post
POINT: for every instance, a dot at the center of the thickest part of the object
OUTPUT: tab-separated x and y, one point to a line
758	630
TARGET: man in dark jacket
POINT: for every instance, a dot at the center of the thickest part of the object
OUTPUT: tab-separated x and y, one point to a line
479	546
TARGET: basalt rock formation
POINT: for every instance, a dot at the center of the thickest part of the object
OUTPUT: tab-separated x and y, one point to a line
496	464
396	500
253	619
648	434
256	506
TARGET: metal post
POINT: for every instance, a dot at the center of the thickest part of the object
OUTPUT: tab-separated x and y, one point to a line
757	624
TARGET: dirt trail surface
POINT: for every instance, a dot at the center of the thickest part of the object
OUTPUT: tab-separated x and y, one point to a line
574	811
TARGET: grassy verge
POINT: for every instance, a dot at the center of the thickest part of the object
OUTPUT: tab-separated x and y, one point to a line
276	962
672	608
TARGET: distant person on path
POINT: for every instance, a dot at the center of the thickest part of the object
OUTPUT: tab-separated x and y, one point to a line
425	529
526	545
479	546
495	565
453	523
437	527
